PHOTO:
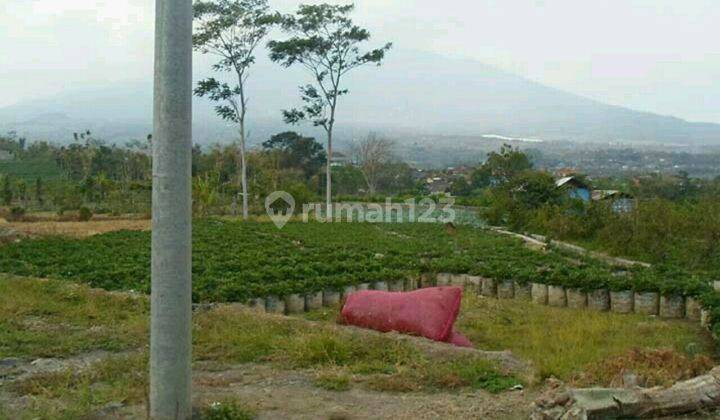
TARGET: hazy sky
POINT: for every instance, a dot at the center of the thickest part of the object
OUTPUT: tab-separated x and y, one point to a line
654	55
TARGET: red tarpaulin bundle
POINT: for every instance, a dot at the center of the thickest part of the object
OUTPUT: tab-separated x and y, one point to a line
430	312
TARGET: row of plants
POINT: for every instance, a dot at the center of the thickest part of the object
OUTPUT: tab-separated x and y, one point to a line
235	261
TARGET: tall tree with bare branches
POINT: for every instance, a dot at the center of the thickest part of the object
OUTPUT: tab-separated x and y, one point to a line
232	30
326	42
371	154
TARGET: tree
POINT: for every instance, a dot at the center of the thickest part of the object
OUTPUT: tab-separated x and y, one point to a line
501	167
39	191
231	30
298	152
325	41
371	154
7	191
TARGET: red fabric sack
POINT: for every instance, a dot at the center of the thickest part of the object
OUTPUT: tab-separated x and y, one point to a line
459	340
429	312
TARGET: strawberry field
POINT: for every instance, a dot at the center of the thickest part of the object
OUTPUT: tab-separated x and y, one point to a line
234	261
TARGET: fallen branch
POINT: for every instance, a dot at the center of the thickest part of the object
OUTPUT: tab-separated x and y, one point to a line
701	393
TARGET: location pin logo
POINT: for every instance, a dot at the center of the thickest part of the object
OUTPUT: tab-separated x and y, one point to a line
280	217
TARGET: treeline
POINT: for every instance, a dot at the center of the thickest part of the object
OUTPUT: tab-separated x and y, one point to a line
672	220
106	178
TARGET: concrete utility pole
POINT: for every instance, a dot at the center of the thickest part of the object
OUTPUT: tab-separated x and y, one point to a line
171	311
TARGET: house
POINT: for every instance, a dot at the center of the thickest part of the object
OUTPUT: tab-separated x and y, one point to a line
621	202
6	155
418	174
340	159
437	186
575	188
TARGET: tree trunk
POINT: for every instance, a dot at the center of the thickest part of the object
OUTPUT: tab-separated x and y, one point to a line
243	172
170	326
328	178
701	393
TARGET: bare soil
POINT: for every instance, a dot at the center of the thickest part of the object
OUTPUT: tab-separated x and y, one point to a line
74	229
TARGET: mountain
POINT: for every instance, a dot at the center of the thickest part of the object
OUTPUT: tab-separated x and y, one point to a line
412	94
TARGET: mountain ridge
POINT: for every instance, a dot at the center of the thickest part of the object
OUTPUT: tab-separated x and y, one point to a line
413	93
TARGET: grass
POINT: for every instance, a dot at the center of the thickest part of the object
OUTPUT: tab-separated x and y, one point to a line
237	337
226	410
53	318
333	381
41	318
563	342
68	319
32	169
580	345
72	393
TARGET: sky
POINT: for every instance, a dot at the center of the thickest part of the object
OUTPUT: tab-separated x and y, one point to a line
651	55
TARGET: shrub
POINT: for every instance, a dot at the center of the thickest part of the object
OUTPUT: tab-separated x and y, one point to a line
85	214
226	411
16	214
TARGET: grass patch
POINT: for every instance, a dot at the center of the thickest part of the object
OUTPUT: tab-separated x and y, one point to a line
227	410
458	374
72	393
651	367
55	318
236	337
562	342
333	381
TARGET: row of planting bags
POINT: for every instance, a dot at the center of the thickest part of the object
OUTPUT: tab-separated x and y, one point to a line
647	303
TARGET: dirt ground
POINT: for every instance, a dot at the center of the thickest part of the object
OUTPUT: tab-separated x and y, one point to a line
74	229
273	394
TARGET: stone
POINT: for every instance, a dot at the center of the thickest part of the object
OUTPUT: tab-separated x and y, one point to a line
458	280
330	298
539	293
313	301
557	296
380	285
396	286
347	291
672	306
294	304
692	309
363	286
647	303
577	299
488	287
473	283
522	290
443	279
622	302
599	300
705	318
411	284
506	289
257	304
274	305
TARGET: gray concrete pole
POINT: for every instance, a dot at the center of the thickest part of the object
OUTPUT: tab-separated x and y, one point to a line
171	311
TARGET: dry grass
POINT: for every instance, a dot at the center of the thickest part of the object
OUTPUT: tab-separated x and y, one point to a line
651	368
54	318
563	342
76	229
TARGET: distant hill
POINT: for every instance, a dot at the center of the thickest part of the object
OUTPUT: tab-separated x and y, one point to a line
412	94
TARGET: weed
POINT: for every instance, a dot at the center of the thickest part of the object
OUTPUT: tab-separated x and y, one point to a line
332	381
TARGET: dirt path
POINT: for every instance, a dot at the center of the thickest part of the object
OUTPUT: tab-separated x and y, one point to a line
74	229
286	394
291	395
